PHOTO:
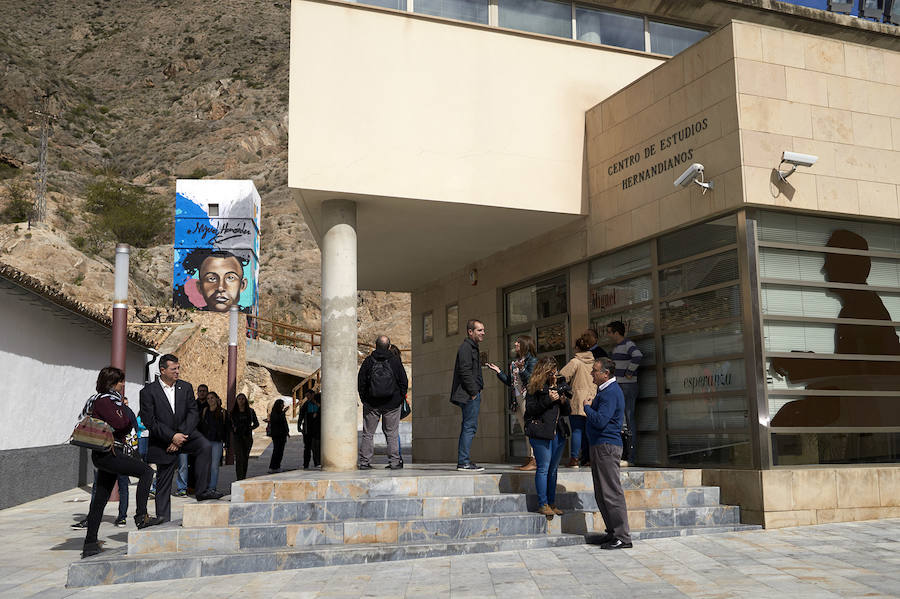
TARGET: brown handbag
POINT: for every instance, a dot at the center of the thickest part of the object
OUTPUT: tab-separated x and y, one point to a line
92	433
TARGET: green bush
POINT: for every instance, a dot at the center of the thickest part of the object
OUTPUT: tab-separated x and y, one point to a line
18	207
199	173
125	213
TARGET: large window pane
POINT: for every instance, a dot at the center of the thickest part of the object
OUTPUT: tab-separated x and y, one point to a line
849	411
538	16
834	448
705	272
647	383
710	377
716	413
638	321
672	39
609	298
395	4
704	343
648	450
475	11
612	29
810	230
646	415
714	448
621	263
547	298
692	310
698	239
792	265
824	338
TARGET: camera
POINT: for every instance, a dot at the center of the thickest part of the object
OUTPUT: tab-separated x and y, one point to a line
562	387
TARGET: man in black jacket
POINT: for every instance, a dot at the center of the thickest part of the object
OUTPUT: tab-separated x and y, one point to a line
382	386
169	411
466	392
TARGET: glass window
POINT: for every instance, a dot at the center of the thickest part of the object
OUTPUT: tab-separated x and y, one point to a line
395	4
427	327
647	382
704	343
648	450
548	298
709	377
647	415
698	239
538	16
452	320
711	448
638	321
672	39
705	272
612	297
520	308
694	309
475	11
834	448
551	338
612	29
847	411
621	263
714	413
809	230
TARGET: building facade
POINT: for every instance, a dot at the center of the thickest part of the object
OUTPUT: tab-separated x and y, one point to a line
527	180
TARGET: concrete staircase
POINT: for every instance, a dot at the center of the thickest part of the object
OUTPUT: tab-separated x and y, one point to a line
308	519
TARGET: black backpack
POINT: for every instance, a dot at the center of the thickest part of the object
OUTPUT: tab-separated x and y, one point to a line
381	380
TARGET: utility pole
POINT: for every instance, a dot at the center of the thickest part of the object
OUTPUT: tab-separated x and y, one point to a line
39	210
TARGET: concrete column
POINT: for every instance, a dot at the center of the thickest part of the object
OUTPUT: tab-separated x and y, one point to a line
339	335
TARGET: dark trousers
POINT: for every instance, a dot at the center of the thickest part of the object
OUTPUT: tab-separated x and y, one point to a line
242	446
630	391
109	468
312	446
278	444
197	446
608	489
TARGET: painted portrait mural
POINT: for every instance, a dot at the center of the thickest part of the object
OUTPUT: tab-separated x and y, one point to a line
216	261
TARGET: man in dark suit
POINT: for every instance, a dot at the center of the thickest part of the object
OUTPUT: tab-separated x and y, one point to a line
170	413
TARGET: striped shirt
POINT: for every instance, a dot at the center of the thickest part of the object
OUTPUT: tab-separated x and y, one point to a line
627	357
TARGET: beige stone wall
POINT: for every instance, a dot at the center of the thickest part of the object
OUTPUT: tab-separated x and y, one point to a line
804	496
837	100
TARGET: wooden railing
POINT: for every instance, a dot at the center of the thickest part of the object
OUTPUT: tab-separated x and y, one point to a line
284	334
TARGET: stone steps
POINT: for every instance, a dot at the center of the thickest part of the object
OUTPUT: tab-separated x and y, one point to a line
337	532
114	567
685	531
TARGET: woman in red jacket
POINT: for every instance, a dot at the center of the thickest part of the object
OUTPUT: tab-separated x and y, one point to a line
108	406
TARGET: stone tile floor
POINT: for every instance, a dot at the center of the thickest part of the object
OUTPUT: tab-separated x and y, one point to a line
856	559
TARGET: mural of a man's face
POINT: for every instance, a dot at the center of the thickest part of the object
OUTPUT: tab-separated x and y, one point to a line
221	282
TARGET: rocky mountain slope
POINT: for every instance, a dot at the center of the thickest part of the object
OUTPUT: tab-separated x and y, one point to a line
147	92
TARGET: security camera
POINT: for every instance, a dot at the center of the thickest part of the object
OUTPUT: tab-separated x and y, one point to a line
693	174
795	159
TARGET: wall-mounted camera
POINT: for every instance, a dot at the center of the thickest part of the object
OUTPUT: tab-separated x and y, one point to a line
693	174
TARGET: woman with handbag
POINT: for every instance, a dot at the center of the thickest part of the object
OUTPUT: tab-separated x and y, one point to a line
278	430
520	371
108	406
547	430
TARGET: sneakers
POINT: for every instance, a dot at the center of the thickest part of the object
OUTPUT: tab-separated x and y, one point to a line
179	494
546	510
152	493
399	466
145	520
364	467
121	523
616	544
470	467
80	525
624	464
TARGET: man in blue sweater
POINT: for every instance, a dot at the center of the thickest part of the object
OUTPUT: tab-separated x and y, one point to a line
604	415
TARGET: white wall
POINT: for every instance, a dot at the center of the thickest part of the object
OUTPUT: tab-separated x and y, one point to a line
50	358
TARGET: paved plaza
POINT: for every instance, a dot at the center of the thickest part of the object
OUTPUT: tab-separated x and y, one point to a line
857	559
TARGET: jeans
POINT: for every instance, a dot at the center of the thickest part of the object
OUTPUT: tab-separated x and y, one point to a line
630	390
578	447
143	445
468	428
546	454
181	475
214	462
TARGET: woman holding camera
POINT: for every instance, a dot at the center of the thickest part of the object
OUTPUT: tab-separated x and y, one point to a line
578	371
520	371
546	404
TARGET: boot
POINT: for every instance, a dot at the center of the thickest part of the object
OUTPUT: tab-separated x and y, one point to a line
573	463
529	465
546	510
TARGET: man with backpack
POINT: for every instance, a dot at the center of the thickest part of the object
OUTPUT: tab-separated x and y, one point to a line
382	385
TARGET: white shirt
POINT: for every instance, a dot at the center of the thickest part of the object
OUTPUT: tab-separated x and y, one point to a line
606	384
170	393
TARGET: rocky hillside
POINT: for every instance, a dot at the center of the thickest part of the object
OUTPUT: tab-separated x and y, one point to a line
147	92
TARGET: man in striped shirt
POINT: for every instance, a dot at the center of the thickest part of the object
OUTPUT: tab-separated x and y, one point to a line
627	357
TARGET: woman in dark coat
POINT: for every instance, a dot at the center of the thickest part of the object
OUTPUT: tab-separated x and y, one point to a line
278	430
243	421
108	406
215	426
547	429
